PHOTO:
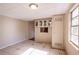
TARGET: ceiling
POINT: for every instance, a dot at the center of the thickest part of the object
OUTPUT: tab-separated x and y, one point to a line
22	10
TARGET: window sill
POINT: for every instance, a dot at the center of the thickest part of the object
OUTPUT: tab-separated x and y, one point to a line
75	46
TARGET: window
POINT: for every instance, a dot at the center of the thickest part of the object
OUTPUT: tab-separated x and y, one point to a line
44	29
75	26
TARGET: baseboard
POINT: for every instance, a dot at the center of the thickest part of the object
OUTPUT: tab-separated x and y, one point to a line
11	43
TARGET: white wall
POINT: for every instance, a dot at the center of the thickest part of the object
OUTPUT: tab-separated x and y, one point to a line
12	31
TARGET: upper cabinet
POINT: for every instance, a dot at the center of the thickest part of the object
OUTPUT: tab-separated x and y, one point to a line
43	23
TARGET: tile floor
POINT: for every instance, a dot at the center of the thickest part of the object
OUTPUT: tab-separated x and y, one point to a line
30	47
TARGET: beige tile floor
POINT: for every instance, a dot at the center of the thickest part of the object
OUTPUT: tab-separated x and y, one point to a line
29	47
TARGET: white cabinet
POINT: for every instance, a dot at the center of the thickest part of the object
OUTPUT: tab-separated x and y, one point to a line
57	32
43	30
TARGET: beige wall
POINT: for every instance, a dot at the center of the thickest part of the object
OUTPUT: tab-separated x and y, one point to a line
70	48
12	31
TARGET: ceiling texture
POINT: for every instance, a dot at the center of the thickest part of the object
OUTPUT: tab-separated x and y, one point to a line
24	12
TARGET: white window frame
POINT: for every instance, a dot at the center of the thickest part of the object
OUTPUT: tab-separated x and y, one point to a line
75	26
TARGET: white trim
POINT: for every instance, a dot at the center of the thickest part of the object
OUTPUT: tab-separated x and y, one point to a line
73	7
73	45
76	5
11	43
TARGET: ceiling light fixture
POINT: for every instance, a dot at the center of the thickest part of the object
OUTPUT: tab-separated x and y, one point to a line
33	6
